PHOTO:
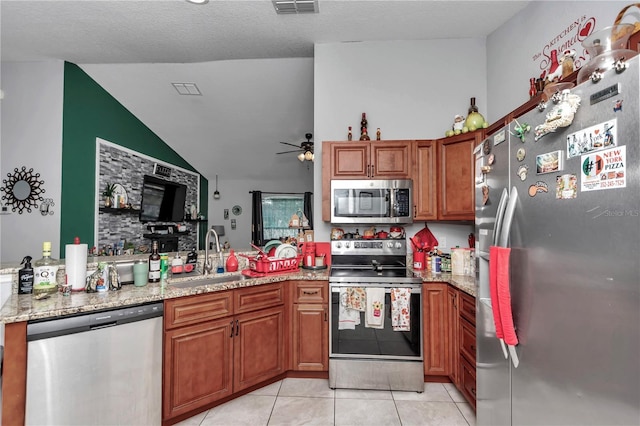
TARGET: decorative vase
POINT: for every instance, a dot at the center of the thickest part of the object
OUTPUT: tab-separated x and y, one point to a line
107	201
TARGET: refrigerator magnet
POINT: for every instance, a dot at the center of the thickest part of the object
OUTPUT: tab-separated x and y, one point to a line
520	154
522	172
617	105
549	162
566	187
594	138
537	188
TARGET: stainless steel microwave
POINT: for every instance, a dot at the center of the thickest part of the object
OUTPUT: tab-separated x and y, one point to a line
371	201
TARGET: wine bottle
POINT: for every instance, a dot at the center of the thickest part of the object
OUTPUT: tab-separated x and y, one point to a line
154	264
45	271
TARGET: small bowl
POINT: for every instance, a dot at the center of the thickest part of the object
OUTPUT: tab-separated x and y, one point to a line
610	38
604	63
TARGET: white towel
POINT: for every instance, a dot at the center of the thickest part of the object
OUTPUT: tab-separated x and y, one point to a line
400	309
347	318
374	314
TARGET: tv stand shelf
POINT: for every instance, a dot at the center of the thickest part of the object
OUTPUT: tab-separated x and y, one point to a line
111	210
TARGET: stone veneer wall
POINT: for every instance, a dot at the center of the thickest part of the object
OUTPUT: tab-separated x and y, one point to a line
128	169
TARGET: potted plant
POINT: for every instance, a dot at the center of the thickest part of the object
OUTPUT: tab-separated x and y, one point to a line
108	193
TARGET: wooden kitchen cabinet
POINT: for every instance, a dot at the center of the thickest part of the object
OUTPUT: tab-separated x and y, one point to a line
198	366
258	347
425	174
310	334
363	160
435	329
453	320
467	347
216	344
456	195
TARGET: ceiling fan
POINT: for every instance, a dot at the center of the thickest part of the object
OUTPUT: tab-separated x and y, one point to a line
305	149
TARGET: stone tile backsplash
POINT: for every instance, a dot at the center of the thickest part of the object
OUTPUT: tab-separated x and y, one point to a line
128	169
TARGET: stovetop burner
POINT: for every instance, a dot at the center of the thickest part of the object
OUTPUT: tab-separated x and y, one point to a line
370	261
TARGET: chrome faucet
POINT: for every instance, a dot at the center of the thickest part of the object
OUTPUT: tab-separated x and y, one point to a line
208	265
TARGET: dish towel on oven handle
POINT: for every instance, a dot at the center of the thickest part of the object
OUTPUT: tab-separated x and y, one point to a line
356	298
347	318
400	309
374	312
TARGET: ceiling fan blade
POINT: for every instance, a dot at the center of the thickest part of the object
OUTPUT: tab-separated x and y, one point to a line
287	143
287	152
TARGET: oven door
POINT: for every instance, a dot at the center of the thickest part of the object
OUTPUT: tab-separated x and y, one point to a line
375	343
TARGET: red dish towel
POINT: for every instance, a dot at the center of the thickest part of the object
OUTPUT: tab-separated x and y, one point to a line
493	289
504	296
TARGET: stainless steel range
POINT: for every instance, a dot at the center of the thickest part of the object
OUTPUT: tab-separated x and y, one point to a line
376	317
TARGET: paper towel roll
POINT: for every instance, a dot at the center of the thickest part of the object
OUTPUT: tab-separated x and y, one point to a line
75	263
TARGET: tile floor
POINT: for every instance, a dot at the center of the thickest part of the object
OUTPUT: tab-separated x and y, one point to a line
312	402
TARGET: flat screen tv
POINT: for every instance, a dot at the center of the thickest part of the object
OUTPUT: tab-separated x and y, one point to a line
162	200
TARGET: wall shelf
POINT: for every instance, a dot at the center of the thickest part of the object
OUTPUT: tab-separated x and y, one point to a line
111	210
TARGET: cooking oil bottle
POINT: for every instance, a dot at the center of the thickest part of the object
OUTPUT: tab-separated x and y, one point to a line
45	271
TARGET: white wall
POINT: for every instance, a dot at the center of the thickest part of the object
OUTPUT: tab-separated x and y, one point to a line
517	50
236	192
410	89
32	137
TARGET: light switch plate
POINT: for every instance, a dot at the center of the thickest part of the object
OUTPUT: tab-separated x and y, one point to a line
226	213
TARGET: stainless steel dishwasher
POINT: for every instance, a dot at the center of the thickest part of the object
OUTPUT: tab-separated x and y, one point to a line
102	368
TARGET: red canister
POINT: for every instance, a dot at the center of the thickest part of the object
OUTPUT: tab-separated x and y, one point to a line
309	254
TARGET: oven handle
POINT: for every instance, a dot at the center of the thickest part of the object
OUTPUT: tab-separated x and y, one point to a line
387	289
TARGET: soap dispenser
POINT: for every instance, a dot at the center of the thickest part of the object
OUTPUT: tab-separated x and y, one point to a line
232	262
25	277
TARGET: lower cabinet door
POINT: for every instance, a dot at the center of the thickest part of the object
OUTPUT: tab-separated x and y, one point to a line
468	381
310	337
259	347
197	366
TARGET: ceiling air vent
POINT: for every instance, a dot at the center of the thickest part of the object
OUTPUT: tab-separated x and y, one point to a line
161	170
287	7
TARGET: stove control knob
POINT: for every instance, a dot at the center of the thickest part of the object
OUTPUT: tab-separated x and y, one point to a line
338	244
390	244
347	244
398	245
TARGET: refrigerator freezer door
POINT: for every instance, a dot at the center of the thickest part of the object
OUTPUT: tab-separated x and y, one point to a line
575	274
493	403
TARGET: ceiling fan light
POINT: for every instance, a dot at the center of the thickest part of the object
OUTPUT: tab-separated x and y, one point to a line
308	155
301	156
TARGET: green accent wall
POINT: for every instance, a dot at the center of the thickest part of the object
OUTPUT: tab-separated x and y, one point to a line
90	112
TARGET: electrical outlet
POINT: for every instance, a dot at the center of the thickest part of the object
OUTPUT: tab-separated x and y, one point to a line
442	243
233	224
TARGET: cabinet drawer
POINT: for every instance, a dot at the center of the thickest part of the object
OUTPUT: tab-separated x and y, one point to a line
258	297
195	309
310	291
468	381
468	307
468	340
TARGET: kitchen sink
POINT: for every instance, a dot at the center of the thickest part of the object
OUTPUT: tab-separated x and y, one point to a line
208	281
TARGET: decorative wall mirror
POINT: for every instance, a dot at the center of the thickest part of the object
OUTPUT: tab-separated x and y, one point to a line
22	190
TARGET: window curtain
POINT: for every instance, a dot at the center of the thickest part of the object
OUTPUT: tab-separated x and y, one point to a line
257	237
308	211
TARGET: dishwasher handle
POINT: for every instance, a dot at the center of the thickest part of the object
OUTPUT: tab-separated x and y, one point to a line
46	329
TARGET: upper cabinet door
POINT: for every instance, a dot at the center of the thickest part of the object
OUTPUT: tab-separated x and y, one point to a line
456	176
350	160
390	160
425	175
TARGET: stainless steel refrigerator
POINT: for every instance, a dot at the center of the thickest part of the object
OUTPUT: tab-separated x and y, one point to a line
568	207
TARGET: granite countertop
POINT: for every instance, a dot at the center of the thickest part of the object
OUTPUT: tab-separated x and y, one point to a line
25	307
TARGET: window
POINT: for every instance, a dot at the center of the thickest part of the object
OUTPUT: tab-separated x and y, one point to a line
276	213
272	211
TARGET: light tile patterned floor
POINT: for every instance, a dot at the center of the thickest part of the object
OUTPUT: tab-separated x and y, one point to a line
311	402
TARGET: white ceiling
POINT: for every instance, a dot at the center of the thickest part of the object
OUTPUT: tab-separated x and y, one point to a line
171	36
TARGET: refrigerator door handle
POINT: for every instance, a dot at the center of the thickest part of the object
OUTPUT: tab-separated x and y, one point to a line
504	199
508	218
